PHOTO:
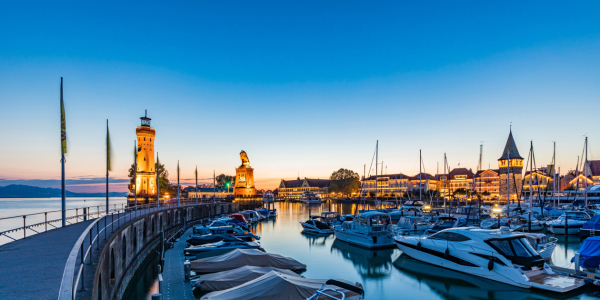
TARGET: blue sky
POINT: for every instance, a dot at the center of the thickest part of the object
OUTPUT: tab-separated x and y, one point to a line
304	88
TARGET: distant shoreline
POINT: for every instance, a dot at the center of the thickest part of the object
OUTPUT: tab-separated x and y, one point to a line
27	191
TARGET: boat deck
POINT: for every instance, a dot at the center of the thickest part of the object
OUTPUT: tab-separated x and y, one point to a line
555	282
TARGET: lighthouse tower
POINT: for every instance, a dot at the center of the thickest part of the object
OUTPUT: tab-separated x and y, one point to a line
511	170
146	172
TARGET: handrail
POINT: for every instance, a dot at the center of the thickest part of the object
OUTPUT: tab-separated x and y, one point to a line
69	282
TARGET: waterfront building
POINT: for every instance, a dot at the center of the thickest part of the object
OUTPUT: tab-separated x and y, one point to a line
209	192
565	180
594	170
511	170
580	182
488	182
391	184
443	185
146	173
460	178
540	180
295	188
422	181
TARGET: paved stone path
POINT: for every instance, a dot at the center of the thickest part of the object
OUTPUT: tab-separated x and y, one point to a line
174	285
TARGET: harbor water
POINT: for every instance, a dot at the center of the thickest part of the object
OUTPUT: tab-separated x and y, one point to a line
384	274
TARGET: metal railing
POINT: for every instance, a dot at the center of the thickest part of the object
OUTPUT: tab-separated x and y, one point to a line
73	273
81	214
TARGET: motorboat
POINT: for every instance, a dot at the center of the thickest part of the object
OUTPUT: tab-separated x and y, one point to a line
369	229
342	218
542	244
228	279
244	257
263	212
238	217
587	259
521	223
335	287
252	215
219	248
316	226
492	223
411	225
276	285
499	255
310	198
329	217
445	223
272	213
198	240
573	220
268	198
591	227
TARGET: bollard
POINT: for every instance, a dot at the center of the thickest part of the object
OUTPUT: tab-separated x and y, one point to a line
156	296
187	268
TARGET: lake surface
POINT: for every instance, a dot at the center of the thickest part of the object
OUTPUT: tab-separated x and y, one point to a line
10	207
384	274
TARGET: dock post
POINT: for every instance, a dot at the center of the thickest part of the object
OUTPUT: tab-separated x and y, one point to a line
160	283
156	297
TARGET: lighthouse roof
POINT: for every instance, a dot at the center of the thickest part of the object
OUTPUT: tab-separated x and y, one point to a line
512	147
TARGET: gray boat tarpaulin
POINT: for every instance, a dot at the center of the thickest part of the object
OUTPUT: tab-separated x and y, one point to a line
244	257
276	285
232	278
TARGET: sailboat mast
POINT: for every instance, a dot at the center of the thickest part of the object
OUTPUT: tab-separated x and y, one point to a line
554	174
376	165
530	186
585	168
420	175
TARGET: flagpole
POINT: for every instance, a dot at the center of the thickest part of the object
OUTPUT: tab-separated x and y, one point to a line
196	184
107	162
157	182
135	177
178	195
63	142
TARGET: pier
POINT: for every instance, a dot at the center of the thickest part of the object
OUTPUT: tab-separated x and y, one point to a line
74	262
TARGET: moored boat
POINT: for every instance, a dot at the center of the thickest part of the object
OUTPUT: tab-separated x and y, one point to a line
368	229
571	222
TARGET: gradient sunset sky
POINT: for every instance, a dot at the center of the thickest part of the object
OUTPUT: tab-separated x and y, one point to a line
304	88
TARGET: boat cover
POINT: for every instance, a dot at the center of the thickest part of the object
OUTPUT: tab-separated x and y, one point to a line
276	285
232	278
244	257
589	254
593	223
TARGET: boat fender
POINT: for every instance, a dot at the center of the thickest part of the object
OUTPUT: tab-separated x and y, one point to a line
419	246
491	265
446	253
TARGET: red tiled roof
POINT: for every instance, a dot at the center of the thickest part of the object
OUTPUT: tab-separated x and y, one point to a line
461	171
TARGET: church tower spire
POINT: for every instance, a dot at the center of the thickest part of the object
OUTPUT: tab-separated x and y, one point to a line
511	169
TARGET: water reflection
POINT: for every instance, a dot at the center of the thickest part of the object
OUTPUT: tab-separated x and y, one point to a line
368	263
316	240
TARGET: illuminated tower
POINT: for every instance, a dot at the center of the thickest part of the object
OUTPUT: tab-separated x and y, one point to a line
511	170
146	173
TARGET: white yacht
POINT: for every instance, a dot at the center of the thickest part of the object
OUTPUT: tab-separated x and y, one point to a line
410	225
521	223
575	221
310	198
316	226
498	255
445	223
368	229
542	244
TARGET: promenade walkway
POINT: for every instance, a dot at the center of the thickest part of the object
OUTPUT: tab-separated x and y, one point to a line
33	268
174	285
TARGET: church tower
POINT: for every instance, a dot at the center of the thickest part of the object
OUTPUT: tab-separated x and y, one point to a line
146	173
511	170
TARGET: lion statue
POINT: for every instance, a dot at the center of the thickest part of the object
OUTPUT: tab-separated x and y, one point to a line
244	157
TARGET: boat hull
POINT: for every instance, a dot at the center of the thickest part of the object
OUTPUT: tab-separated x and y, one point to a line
313	229
364	240
560	229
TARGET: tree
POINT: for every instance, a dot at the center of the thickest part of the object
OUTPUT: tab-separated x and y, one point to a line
460	191
344	181
222	181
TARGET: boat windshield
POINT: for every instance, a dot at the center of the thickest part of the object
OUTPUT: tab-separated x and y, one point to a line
380	220
517	249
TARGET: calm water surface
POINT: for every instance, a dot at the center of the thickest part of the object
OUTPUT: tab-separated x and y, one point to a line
385	274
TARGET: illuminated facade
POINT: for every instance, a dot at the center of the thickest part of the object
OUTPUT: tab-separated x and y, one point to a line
146	173
295	188
244	178
511	170
487	181
540	181
393	184
580	182
423	181
460	178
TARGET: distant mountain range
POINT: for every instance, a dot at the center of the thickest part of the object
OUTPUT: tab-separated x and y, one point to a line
27	191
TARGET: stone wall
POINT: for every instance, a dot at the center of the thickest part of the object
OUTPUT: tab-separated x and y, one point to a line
132	243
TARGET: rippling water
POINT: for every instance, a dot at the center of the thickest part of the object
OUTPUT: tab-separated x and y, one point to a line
385	274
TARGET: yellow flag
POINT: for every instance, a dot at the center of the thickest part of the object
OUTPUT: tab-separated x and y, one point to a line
63	124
